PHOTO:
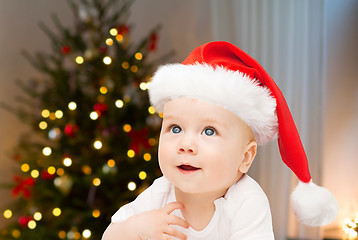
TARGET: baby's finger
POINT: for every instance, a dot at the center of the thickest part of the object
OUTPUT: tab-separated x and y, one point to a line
170	207
175	233
175	220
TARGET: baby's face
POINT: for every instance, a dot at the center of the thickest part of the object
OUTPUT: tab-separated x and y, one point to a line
202	146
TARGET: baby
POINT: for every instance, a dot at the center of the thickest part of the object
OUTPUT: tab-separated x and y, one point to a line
217	106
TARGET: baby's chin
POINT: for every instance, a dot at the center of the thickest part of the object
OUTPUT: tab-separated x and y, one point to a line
213	194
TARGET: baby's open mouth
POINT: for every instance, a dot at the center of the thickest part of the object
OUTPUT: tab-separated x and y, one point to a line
185	167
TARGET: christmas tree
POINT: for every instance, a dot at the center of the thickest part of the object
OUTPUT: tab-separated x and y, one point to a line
92	147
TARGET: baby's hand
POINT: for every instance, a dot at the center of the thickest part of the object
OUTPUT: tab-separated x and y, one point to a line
157	224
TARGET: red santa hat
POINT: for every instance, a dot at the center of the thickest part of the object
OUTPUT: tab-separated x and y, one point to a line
221	73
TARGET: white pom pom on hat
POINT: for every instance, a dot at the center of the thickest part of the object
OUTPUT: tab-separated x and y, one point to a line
313	205
221	73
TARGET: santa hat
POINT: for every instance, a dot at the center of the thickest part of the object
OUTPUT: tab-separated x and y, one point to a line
221	73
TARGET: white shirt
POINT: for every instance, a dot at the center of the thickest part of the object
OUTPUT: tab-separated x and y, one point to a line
242	214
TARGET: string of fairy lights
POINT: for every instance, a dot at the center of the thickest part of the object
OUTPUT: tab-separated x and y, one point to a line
60	172
350	228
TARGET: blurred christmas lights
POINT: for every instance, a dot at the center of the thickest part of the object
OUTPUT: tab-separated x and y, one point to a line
103	90
45	113
138	56
127	98
125	65
119	37
96	182
37	216
350	228
86	233
51	170
119	103
72	106
86	170
62	234
113	32
109	41
106	169
152	141
130	153
127	128
59	114
94	115
67	161
7	213
25	167
31	224
46	151
35	173
97	144
151	110
107	60
56	212
142	175
16	233
43	125
52	116
60	171
111	163
79	60
147	157
143	86
96	213
134	68
132	186
54	133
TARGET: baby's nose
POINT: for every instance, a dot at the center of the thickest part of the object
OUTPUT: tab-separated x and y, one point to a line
187	146
186	150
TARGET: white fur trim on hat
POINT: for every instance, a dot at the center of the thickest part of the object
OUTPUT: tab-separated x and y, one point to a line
313	205
231	90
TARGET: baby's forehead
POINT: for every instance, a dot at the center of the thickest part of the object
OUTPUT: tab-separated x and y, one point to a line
191	108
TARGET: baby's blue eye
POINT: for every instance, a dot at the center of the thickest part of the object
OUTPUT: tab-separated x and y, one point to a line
209	131
175	129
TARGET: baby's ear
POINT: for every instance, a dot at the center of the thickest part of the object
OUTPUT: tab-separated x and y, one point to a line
248	157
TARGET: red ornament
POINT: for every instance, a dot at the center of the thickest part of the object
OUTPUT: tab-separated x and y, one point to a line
23	186
24	220
45	175
17	157
100	108
123	29
153	41
65	49
139	138
103	49
71	129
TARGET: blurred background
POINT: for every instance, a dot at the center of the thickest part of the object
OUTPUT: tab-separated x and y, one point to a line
308	47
